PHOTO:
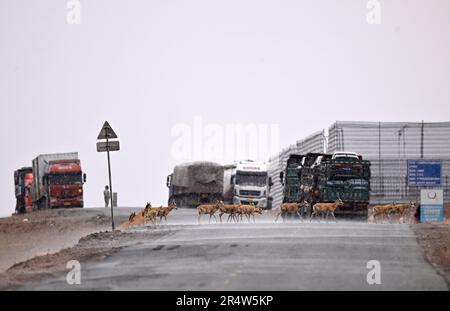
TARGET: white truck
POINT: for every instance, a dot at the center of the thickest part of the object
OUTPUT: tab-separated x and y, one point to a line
247	181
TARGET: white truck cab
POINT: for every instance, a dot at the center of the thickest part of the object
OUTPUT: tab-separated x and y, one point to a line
251	183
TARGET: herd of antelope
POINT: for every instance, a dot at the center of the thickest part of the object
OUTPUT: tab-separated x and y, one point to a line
237	212
151	214
304	208
387	210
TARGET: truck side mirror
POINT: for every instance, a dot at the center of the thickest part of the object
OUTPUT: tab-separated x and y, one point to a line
169	181
232	179
282	178
84	177
270	182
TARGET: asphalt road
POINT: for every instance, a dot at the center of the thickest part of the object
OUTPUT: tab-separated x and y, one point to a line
261	256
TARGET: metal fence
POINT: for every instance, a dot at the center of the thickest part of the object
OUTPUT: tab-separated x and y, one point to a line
392	188
388	146
391	140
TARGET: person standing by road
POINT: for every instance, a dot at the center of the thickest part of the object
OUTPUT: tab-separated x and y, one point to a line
107	196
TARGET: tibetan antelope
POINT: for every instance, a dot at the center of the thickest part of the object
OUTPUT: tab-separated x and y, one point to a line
327	208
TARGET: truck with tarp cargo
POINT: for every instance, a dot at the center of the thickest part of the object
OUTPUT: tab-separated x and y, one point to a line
192	184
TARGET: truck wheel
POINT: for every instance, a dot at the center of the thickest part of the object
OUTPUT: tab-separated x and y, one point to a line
44	203
41	204
20	207
365	213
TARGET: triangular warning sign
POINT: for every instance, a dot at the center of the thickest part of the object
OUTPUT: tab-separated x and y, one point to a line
107	132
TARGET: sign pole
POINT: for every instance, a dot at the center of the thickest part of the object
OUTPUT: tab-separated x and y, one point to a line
108	133
110	182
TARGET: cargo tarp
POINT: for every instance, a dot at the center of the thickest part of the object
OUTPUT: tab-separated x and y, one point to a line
198	177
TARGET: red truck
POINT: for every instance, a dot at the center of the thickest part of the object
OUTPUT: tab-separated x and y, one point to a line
23	178
58	181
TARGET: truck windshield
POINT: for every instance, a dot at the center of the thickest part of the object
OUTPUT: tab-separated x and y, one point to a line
64	179
251	178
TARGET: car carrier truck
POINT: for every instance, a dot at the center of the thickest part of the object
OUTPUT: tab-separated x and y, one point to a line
320	177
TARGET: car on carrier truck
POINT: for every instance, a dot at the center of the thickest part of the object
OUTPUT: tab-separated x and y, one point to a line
321	177
58	181
343	175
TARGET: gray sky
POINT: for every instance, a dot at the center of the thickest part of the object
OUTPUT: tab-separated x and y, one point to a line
148	65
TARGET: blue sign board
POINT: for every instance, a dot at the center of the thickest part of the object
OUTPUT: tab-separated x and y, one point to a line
431	213
424	173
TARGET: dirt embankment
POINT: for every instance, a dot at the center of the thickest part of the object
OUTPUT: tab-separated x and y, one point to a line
44	232
93	247
435	241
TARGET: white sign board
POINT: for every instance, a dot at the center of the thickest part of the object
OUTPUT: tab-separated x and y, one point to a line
108	146
431	205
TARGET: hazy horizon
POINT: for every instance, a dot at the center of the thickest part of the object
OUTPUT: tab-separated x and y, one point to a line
149	66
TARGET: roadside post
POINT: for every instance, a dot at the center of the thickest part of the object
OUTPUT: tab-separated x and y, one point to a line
114	195
431	205
108	133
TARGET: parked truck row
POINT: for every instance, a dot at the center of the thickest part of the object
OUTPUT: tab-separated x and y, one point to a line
53	180
192	184
312	177
56	180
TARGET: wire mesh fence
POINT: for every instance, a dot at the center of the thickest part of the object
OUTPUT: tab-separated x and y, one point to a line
391	140
387	145
395	189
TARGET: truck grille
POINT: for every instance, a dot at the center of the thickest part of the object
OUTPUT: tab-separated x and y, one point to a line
247	202
67	194
250	193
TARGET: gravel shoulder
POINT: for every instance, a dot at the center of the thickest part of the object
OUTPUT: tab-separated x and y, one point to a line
23	237
92	248
39	245
434	238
